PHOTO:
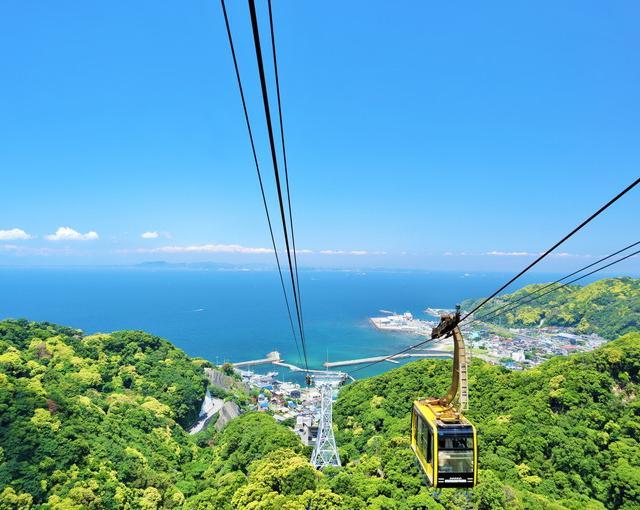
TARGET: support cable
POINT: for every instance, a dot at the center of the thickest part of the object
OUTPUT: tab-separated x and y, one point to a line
543	255
255	159
284	157
544	287
267	112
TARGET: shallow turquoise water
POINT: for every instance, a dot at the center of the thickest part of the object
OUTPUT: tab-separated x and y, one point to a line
239	315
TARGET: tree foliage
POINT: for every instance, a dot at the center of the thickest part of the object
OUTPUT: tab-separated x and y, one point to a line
92	421
608	307
566	431
98	422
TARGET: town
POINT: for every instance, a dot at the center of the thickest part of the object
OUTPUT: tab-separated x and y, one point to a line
290	403
298	406
519	348
513	348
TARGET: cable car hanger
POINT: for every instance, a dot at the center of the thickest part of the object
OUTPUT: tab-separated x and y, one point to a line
449	326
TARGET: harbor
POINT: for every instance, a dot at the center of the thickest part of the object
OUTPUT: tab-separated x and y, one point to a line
278	362
391	359
272	357
404	323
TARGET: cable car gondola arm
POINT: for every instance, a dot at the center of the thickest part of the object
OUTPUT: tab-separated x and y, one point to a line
449	326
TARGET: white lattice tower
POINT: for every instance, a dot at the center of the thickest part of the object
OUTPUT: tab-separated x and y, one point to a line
325	453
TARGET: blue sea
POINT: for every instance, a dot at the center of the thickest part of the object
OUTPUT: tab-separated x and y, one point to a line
240	315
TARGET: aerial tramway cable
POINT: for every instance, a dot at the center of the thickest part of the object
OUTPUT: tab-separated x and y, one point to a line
544	287
542	256
284	157
257	165
534	297
274	158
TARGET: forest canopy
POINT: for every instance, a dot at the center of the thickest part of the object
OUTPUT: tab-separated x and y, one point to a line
99	421
92	421
561	435
608	307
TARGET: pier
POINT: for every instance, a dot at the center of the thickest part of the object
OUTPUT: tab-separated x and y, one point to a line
295	368
272	357
391	359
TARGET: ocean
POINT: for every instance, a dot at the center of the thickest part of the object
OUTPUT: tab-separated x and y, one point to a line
240	315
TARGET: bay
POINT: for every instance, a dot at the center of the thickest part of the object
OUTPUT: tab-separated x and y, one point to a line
240	315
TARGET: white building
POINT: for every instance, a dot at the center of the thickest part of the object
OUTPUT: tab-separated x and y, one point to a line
518	356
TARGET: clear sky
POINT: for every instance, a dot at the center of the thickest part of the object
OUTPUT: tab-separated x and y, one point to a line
420	134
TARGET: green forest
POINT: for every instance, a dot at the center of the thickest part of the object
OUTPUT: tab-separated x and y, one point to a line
92	422
608	307
562	435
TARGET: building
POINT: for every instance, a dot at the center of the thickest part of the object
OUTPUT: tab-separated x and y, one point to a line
307	428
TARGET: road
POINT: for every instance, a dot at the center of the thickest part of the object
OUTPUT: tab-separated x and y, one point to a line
210	407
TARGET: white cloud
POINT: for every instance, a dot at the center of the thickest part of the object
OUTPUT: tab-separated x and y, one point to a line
564	254
13	234
352	252
154	234
206	248
510	254
68	234
561	254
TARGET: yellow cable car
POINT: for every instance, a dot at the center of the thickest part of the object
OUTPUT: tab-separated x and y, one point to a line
443	440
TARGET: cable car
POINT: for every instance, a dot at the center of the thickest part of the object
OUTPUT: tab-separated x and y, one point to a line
445	446
443	440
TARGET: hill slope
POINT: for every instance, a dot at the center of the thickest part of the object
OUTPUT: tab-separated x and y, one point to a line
92	421
566	431
608	307
96	422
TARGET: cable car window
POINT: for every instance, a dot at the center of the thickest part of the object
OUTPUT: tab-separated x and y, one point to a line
421	436
429	445
453	442
455	461
455	453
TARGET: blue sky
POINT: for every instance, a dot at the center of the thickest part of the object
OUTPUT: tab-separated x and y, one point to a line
420	135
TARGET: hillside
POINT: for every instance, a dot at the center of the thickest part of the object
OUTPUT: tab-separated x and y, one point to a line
92	420
562	435
608	307
98	422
